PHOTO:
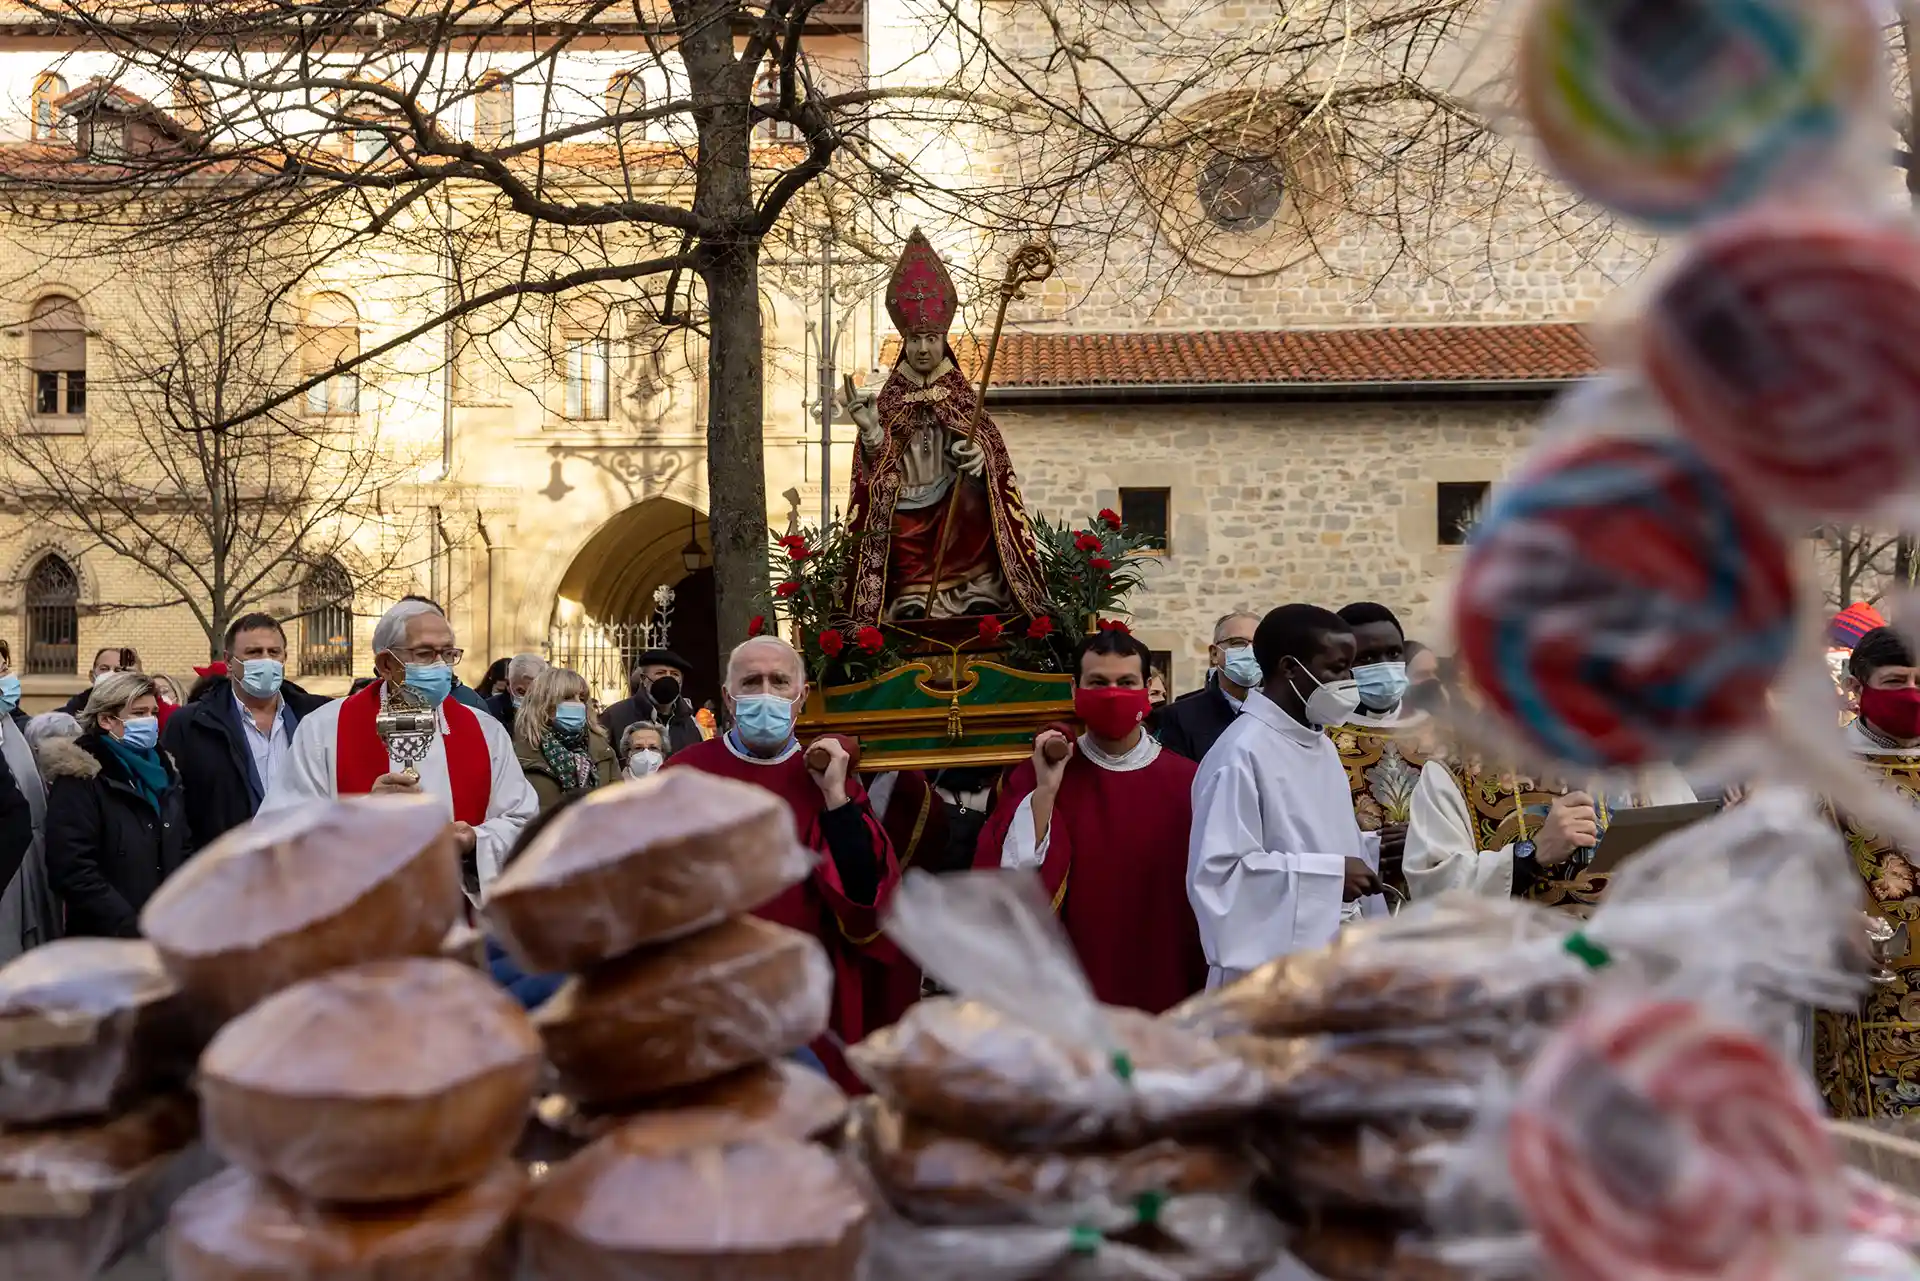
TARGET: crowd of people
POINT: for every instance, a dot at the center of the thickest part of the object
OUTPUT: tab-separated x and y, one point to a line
1182	843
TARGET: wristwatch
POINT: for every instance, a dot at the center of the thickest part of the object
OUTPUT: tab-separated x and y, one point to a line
1523	850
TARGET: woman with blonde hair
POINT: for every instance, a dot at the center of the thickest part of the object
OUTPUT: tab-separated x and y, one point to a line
116	823
562	749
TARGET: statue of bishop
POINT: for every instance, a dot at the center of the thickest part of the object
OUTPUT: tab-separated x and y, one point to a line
938	527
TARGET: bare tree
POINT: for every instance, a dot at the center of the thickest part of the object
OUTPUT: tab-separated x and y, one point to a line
462	134
225	512
1855	565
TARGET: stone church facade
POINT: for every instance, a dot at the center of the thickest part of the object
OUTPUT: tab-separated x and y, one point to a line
1299	426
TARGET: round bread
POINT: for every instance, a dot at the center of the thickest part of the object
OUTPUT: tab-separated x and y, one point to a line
381	1082
235	1227
642	862
671	1198
741	993
304	891
85	1025
937	1177
781	1098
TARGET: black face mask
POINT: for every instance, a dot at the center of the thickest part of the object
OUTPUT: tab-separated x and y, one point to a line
665	691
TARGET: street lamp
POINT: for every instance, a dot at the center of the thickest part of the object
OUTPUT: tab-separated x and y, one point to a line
692	555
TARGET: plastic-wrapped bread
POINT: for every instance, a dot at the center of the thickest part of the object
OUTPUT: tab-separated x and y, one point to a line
304	891
73	1197
671	1198
236	1227
1391	1168
934	1176
780	1098
741	993
1411	1076
381	1082
87	1025
969	1068
1367	1250
643	862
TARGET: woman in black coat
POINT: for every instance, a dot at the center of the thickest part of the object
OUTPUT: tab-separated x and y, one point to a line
115	823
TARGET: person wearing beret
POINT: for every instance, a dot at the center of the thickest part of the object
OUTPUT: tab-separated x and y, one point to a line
658	684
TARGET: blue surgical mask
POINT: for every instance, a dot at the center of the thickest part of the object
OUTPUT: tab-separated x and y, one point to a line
431	681
517	699
141	733
765	721
1382	685
1242	668
571	716
9	693
261	677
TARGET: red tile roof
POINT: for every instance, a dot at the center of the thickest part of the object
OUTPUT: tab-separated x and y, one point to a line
1281	358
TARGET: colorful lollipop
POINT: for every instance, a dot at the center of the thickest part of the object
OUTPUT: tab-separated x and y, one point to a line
1673	111
1622	605
1783	345
1652	1143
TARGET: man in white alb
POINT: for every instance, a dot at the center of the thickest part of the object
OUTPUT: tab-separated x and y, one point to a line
471	764
1275	849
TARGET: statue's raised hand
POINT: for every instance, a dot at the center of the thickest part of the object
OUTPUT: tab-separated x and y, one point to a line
860	406
968	458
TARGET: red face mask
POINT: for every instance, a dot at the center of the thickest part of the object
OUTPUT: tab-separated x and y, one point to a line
1111	711
1892	711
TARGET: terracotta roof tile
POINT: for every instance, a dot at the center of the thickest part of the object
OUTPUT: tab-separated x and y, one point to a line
1405	354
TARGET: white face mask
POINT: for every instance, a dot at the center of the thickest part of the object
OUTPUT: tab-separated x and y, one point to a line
1332	704
643	762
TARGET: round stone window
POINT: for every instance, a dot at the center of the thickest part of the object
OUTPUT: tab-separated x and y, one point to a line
1241	193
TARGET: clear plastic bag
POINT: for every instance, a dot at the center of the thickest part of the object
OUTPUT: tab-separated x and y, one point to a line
73	1198
1384	1169
643	862
86	1025
382	1082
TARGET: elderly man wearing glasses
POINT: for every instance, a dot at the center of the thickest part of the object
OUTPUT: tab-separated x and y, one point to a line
471	764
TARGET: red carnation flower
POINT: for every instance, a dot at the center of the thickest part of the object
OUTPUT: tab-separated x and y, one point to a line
832	642
869	640
757	625
1115	625
1087	543
990	629
786	589
1040	628
1110	517
799	551
1100	562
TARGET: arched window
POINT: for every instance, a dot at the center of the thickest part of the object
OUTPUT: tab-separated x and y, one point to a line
53	618
588	360
48	88
627	92
326	621
493	110
57	357
330	338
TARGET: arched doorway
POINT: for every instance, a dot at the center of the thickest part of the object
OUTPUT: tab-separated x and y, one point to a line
612	601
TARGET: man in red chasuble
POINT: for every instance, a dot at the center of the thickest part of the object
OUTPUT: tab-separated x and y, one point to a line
1107	828
840	903
936	518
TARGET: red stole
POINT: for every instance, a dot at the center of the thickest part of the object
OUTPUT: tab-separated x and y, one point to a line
1116	871
362	757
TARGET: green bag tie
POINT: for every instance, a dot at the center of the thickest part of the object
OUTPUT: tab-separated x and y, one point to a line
1122	1064
1147	1207
1085	1240
1588	952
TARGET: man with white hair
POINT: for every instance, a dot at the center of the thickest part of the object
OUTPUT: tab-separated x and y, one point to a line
840	903
522	671
470	765
1195	722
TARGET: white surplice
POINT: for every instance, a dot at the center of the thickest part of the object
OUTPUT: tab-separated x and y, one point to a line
1019	850
1273	828
1442	851
311	773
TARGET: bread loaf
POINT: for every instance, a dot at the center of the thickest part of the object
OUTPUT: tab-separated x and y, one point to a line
780	1098
1386	1169
740	993
1319	1079
236	1227
1364	1250
970	1069
643	862
87	1025
304	891
73	1197
936	1177
671	1198
380	1082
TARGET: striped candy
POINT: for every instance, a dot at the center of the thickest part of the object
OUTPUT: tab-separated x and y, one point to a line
1675	111
1622	605
1787	346
1650	1143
